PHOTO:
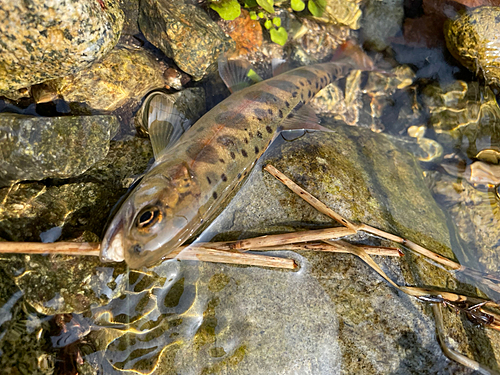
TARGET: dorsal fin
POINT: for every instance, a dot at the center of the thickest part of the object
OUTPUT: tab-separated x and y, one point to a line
237	74
165	124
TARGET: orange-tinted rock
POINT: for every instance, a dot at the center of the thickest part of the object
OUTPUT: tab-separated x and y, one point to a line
247	33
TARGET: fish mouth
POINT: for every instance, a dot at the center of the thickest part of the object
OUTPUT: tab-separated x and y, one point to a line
112	246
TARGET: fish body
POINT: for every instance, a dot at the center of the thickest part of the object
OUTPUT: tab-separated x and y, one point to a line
191	179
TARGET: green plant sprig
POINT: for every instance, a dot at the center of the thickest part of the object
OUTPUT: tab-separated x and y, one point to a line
231	9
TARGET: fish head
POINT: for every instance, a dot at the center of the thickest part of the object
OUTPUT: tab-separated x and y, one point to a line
155	219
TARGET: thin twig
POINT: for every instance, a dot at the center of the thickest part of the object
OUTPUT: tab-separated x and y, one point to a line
58	248
312	200
488	279
200	253
285	238
231	257
320	246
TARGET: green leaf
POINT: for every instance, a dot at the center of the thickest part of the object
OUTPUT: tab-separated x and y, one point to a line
316	7
253	15
277	21
268	5
261	14
227	9
250	3
279	36
268	24
298	5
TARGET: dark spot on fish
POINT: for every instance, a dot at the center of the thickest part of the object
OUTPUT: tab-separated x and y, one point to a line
280	113
137	249
250	134
301	96
233	155
214	195
309	82
256	150
239	176
287	104
294	94
317	85
270	111
291	115
244	153
231	119
282	85
322	79
245	140
261	97
260	114
227	140
301	83
259	134
297	107
268	129
245	173
203	153
303	73
223	177
309	94
208	179
222	161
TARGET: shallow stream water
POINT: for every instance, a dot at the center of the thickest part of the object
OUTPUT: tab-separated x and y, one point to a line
401	142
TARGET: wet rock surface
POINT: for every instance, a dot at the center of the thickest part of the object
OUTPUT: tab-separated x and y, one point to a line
125	74
42	41
473	39
210	318
184	33
35	148
80	207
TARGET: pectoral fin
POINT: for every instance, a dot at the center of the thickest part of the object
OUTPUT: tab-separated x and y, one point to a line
237	74
163	121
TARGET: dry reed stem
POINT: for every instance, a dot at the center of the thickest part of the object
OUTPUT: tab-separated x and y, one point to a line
286	238
319	246
222	256
59	248
199	253
488	279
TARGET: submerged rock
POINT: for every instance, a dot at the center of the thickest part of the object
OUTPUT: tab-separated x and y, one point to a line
473	39
381	21
343	12
335	315
80	207
41	40
476	213
124	74
35	148
366	98
464	116
185	33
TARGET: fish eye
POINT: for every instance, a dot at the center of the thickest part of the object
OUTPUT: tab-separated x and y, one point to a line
148	217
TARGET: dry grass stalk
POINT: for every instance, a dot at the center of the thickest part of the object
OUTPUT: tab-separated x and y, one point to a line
490	280
321	246
222	256
285	239
58	248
